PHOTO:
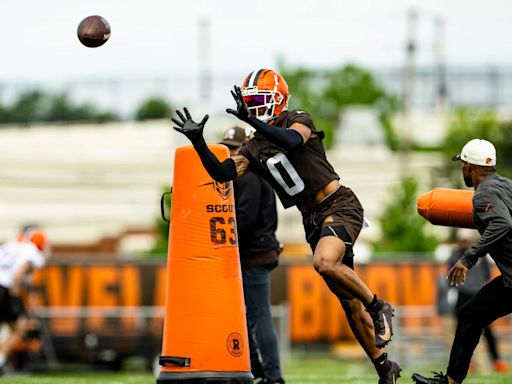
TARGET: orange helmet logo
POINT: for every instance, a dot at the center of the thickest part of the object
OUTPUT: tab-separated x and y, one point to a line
265	93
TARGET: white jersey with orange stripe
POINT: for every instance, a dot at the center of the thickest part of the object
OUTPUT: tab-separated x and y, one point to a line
13	256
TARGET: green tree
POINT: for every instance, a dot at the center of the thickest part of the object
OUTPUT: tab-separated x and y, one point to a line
306	93
466	124
325	96
61	109
503	142
36	106
403	230
29	107
153	108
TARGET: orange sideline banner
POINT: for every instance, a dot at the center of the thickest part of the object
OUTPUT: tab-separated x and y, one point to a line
315	314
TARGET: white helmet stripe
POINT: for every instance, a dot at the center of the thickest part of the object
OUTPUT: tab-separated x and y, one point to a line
252	77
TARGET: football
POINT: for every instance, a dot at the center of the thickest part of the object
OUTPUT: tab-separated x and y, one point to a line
93	31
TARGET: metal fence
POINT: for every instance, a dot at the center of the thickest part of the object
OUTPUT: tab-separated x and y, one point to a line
421	335
110	347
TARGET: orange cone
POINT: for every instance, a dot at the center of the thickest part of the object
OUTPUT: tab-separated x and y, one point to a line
449	207
205	332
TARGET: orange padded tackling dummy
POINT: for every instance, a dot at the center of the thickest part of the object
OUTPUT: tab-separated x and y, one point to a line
449	207
205	332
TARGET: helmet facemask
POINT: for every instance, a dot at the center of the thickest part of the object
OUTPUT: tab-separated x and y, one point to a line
262	103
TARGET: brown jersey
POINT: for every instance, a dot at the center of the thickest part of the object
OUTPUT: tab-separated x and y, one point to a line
296	174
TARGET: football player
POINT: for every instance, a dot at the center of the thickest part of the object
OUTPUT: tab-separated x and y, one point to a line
287	150
492	207
19	258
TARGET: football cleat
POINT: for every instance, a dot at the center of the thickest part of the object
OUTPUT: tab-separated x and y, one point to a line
392	375
438	378
276	381
382	323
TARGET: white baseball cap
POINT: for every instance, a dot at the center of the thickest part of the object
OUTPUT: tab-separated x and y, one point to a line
478	152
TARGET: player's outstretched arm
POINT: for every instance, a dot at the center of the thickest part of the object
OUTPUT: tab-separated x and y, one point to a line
219	171
283	137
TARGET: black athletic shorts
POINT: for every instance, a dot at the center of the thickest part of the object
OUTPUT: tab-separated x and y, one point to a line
10	307
341	215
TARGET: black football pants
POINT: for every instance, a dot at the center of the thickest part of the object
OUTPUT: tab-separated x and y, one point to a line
488	304
492	345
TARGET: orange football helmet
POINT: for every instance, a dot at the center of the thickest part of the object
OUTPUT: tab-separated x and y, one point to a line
266	94
36	236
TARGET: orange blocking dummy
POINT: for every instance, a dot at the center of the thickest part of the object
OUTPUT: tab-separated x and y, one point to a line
449	207
205	332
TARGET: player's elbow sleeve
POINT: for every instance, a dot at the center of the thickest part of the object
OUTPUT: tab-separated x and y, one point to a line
285	138
225	172
294	140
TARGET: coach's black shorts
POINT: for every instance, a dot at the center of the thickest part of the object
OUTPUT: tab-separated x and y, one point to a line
10	307
341	215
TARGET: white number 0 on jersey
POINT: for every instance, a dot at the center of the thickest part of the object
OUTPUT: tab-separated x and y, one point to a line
298	183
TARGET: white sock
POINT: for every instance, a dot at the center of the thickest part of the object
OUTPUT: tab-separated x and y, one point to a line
3	359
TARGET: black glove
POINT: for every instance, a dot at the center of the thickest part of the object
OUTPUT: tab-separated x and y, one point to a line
191	129
242	111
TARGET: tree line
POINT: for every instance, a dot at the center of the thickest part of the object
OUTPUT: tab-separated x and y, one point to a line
36	106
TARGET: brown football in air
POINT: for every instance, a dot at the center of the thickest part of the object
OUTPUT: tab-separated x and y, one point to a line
93	31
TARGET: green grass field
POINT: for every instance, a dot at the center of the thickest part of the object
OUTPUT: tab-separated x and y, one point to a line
299	371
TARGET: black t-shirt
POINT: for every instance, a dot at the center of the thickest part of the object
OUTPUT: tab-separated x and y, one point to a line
297	174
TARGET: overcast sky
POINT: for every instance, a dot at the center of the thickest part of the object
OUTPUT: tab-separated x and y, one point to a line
160	37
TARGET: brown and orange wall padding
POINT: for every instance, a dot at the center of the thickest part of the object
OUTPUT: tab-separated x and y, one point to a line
448	207
205	333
